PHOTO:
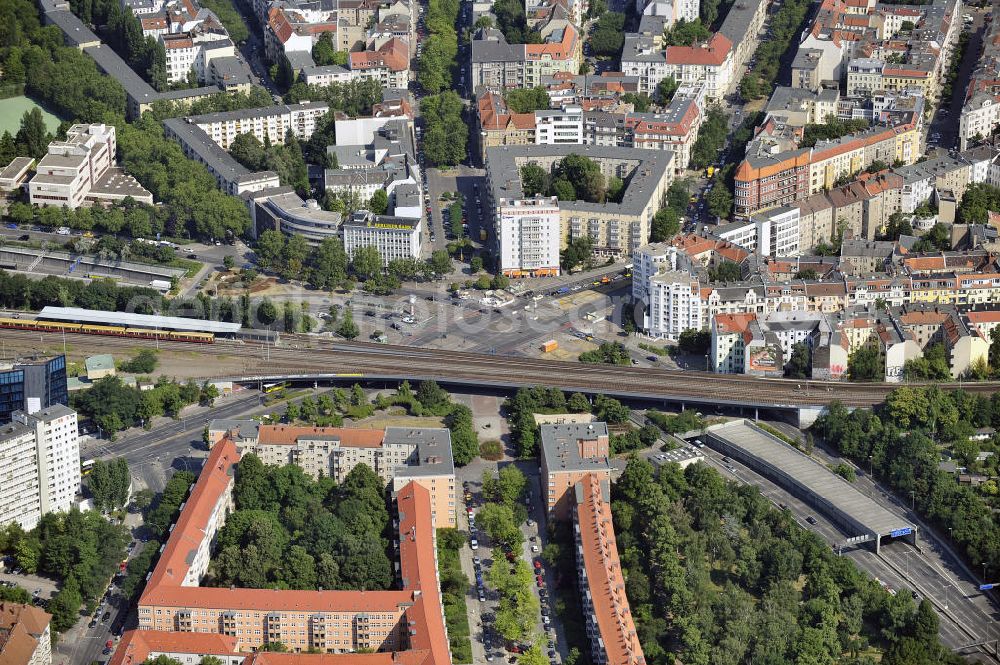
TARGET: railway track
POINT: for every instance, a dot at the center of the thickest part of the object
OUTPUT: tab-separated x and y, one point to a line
307	356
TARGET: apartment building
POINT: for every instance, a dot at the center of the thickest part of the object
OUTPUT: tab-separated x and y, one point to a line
193	52
772	233
40	465
25	637
32	385
529	236
398	455
762	345
642	54
676	129
409	619
570	453
497	65
20	491
58	455
389	64
81	171
393	237
268	124
710	64
615	228
776	172
231	176
613	637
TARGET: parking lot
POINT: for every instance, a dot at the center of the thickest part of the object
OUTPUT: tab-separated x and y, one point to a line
480	557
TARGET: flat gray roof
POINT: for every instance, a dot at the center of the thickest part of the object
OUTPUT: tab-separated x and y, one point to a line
560	450
136	320
433	450
650	167
829	489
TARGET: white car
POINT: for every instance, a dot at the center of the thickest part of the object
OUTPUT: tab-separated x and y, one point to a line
474	544
534	548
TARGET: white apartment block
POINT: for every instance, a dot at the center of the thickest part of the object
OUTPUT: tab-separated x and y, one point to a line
529	236
186	52
772	233
393	237
267	124
58	461
674	304
39	465
559	126
980	117
20	499
68	171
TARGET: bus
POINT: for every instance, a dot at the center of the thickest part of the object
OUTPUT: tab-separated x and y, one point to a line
87	466
275	387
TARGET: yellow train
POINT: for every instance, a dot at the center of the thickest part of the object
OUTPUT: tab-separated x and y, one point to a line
111	331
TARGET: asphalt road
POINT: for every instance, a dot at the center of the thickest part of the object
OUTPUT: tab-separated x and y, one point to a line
945	121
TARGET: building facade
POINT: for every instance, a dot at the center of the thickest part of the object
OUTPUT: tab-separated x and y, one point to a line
571	452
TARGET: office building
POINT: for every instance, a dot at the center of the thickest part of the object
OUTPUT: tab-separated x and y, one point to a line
32	385
393	237
80	171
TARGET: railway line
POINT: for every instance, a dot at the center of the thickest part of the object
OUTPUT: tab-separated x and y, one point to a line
307	357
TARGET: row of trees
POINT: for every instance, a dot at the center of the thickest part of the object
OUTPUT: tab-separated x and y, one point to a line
900	441
526	402
715	574
326	266
79	549
501	517
445	133
17	291
292	532
128	217
785	27
115	406
454	587
256	97
438	60
711	138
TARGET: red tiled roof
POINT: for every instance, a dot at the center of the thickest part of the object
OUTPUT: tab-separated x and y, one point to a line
20	627
712	53
733	323
604	574
561	50
419	598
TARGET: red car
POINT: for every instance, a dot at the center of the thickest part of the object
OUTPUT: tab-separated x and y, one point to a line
539	580
538	565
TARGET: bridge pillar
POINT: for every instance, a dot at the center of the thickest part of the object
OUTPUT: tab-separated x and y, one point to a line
756	414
